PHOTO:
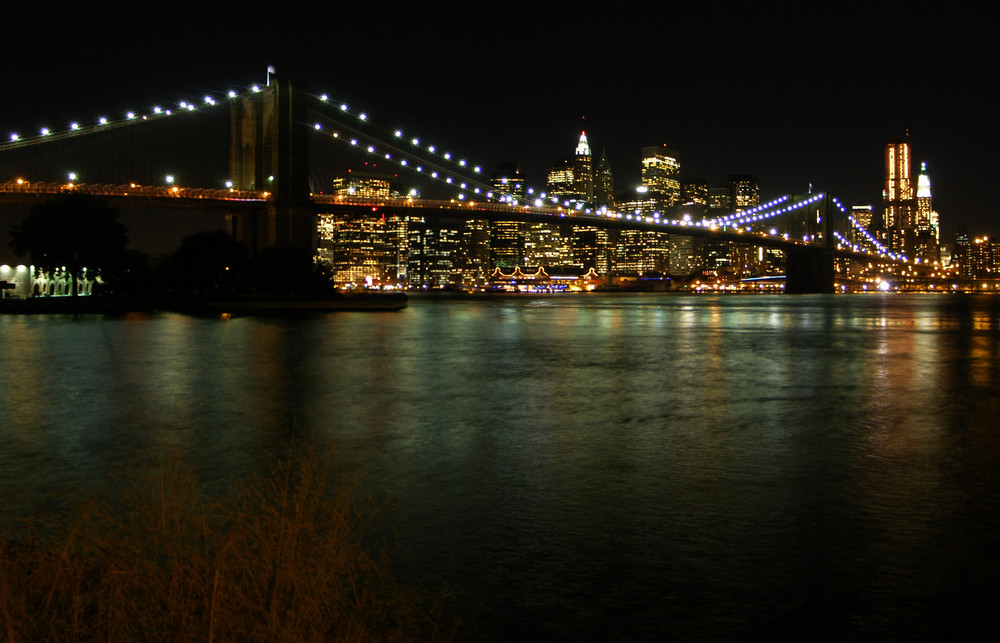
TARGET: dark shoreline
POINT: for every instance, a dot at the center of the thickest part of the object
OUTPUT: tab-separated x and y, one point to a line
374	302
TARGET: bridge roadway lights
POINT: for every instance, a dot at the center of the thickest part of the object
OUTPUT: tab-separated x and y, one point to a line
808	270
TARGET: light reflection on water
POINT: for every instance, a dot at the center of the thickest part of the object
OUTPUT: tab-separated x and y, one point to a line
580	467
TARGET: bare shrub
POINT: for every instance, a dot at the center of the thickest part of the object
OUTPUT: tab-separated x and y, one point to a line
280	558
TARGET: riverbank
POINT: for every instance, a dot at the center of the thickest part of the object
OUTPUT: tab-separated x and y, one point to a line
375	302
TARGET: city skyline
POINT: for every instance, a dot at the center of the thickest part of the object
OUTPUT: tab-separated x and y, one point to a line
810	103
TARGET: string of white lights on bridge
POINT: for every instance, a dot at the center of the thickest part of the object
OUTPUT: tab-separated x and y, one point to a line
427	160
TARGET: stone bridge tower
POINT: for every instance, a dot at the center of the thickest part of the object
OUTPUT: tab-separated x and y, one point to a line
269	152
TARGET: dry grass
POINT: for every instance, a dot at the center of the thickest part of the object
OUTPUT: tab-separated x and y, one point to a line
281	558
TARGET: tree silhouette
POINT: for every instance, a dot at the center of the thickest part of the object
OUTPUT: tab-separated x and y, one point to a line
208	264
71	232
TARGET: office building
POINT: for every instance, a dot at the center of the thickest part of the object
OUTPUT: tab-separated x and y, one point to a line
746	191
898	212
928	240
661	171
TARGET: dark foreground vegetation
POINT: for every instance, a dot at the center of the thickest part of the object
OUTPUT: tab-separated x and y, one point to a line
280	558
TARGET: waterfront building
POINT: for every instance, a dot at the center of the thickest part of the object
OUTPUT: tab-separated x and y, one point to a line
685	255
642	253
23	281
358	248
434	257
547	245
594	248
507	244
476	258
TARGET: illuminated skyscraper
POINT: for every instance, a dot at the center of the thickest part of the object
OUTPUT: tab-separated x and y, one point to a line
899	212
746	191
561	182
507	237
694	192
928	238
572	179
863	216
583	170
661	172
359	248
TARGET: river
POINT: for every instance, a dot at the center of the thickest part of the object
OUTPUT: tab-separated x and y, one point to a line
580	467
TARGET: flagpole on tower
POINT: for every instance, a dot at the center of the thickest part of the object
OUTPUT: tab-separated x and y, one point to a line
270	70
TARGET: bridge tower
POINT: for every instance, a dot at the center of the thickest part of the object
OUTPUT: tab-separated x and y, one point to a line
269	152
809	269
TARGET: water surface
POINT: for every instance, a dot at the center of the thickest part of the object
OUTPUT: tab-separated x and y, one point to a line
580	467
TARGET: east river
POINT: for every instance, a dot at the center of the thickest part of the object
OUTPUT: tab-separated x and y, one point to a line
580	467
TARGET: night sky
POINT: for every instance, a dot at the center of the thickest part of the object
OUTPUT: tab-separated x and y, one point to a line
797	97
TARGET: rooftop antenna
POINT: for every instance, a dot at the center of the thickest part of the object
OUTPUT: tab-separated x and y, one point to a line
270	70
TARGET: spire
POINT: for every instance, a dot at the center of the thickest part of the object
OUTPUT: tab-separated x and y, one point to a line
583	148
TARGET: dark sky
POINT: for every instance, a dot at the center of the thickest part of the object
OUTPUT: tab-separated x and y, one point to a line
794	97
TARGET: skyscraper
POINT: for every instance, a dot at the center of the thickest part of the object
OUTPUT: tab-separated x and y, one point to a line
864	216
898	216
583	170
928	238
507	181
507	237
746	191
661	172
604	182
561	182
694	192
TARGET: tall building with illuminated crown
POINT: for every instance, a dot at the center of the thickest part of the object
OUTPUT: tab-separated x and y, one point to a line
928	237
583	170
